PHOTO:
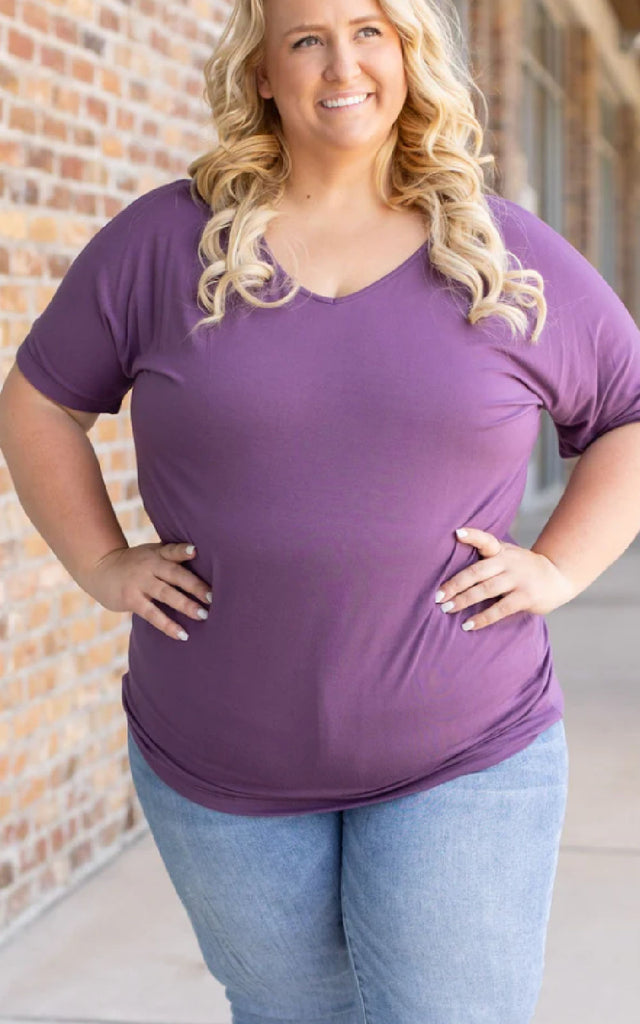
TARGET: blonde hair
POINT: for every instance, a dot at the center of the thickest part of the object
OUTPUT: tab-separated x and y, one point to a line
431	160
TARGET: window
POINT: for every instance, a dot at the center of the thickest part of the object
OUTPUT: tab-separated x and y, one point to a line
462	7
543	117
608	188
543	114
636	263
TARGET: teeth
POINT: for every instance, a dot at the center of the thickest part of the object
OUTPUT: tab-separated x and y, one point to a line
346	102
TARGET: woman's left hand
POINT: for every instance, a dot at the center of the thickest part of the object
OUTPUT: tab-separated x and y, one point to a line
524	580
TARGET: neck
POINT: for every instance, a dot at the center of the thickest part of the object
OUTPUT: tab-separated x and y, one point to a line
333	189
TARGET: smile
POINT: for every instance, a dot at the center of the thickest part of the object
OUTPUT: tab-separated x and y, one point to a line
345	104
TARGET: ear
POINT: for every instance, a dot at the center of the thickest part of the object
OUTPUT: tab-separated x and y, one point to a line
262	83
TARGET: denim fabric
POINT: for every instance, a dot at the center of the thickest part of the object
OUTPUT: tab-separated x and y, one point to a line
428	909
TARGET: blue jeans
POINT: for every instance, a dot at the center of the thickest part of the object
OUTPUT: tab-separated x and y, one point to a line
426	909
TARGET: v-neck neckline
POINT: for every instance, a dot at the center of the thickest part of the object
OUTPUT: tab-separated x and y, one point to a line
360	291
328	298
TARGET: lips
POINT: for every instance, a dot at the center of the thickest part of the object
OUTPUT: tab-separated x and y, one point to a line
333	99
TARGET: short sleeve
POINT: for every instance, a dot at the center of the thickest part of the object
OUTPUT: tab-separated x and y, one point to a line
586	365
80	350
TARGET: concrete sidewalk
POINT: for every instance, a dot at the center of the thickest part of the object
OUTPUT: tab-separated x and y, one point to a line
120	947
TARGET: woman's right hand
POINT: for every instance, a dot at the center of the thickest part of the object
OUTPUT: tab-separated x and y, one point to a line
129	579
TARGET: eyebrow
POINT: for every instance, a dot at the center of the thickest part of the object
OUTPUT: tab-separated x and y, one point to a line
354	21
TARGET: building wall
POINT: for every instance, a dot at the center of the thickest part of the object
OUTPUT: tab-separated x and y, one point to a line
99	103
564	123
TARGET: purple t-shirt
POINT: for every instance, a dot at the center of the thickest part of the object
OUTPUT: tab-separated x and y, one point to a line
320	456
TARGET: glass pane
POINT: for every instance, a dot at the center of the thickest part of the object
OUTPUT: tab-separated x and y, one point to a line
534	38
462	7
540	148
548	41
607	224
543	144
543	141
552	471
559	63
554	165
636	264
544	39
608	116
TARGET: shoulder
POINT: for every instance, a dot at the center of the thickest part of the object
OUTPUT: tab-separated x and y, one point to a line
526	234
580	301
135	241
540	247
157	210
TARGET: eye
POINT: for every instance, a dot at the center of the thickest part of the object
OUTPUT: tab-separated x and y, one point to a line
298	44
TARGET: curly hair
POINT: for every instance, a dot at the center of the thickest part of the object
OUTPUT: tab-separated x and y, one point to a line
431	161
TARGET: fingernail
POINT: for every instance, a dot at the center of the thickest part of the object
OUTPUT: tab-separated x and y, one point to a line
439	596
202	613
447	607
468	624
209	596
461	533
190	549
182	635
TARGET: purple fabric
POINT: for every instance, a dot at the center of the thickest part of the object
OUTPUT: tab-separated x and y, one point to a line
320	456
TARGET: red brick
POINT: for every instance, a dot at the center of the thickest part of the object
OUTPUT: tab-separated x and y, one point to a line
19	900
8	79
22	118
97	109
65	29
35	16
39	156
53	128
52	57
109	19
82	69
20	44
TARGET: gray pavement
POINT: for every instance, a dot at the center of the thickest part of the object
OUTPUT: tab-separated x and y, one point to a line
120	948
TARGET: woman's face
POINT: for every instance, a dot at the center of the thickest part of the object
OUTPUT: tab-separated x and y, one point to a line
304	65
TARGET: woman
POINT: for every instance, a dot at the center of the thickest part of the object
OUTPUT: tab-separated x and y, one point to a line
355	767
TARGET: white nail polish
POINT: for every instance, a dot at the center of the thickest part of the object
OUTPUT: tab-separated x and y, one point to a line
447	607
182	635
203	613
439	596
468	624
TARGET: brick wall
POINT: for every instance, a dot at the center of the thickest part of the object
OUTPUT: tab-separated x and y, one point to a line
99	103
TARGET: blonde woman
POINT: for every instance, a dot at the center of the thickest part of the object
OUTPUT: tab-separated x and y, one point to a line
345	727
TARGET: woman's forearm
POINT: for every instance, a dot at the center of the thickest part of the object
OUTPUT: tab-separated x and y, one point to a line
598	515
58	480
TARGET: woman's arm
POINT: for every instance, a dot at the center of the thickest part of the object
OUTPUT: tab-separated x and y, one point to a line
598	515
57	476
595	520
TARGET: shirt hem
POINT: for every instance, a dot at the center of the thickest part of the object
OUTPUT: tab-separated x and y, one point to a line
493	754
51	388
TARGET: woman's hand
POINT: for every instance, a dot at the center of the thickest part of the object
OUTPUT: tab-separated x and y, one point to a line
523	579
129	579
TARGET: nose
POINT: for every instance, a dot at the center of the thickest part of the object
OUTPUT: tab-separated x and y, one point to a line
341	63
